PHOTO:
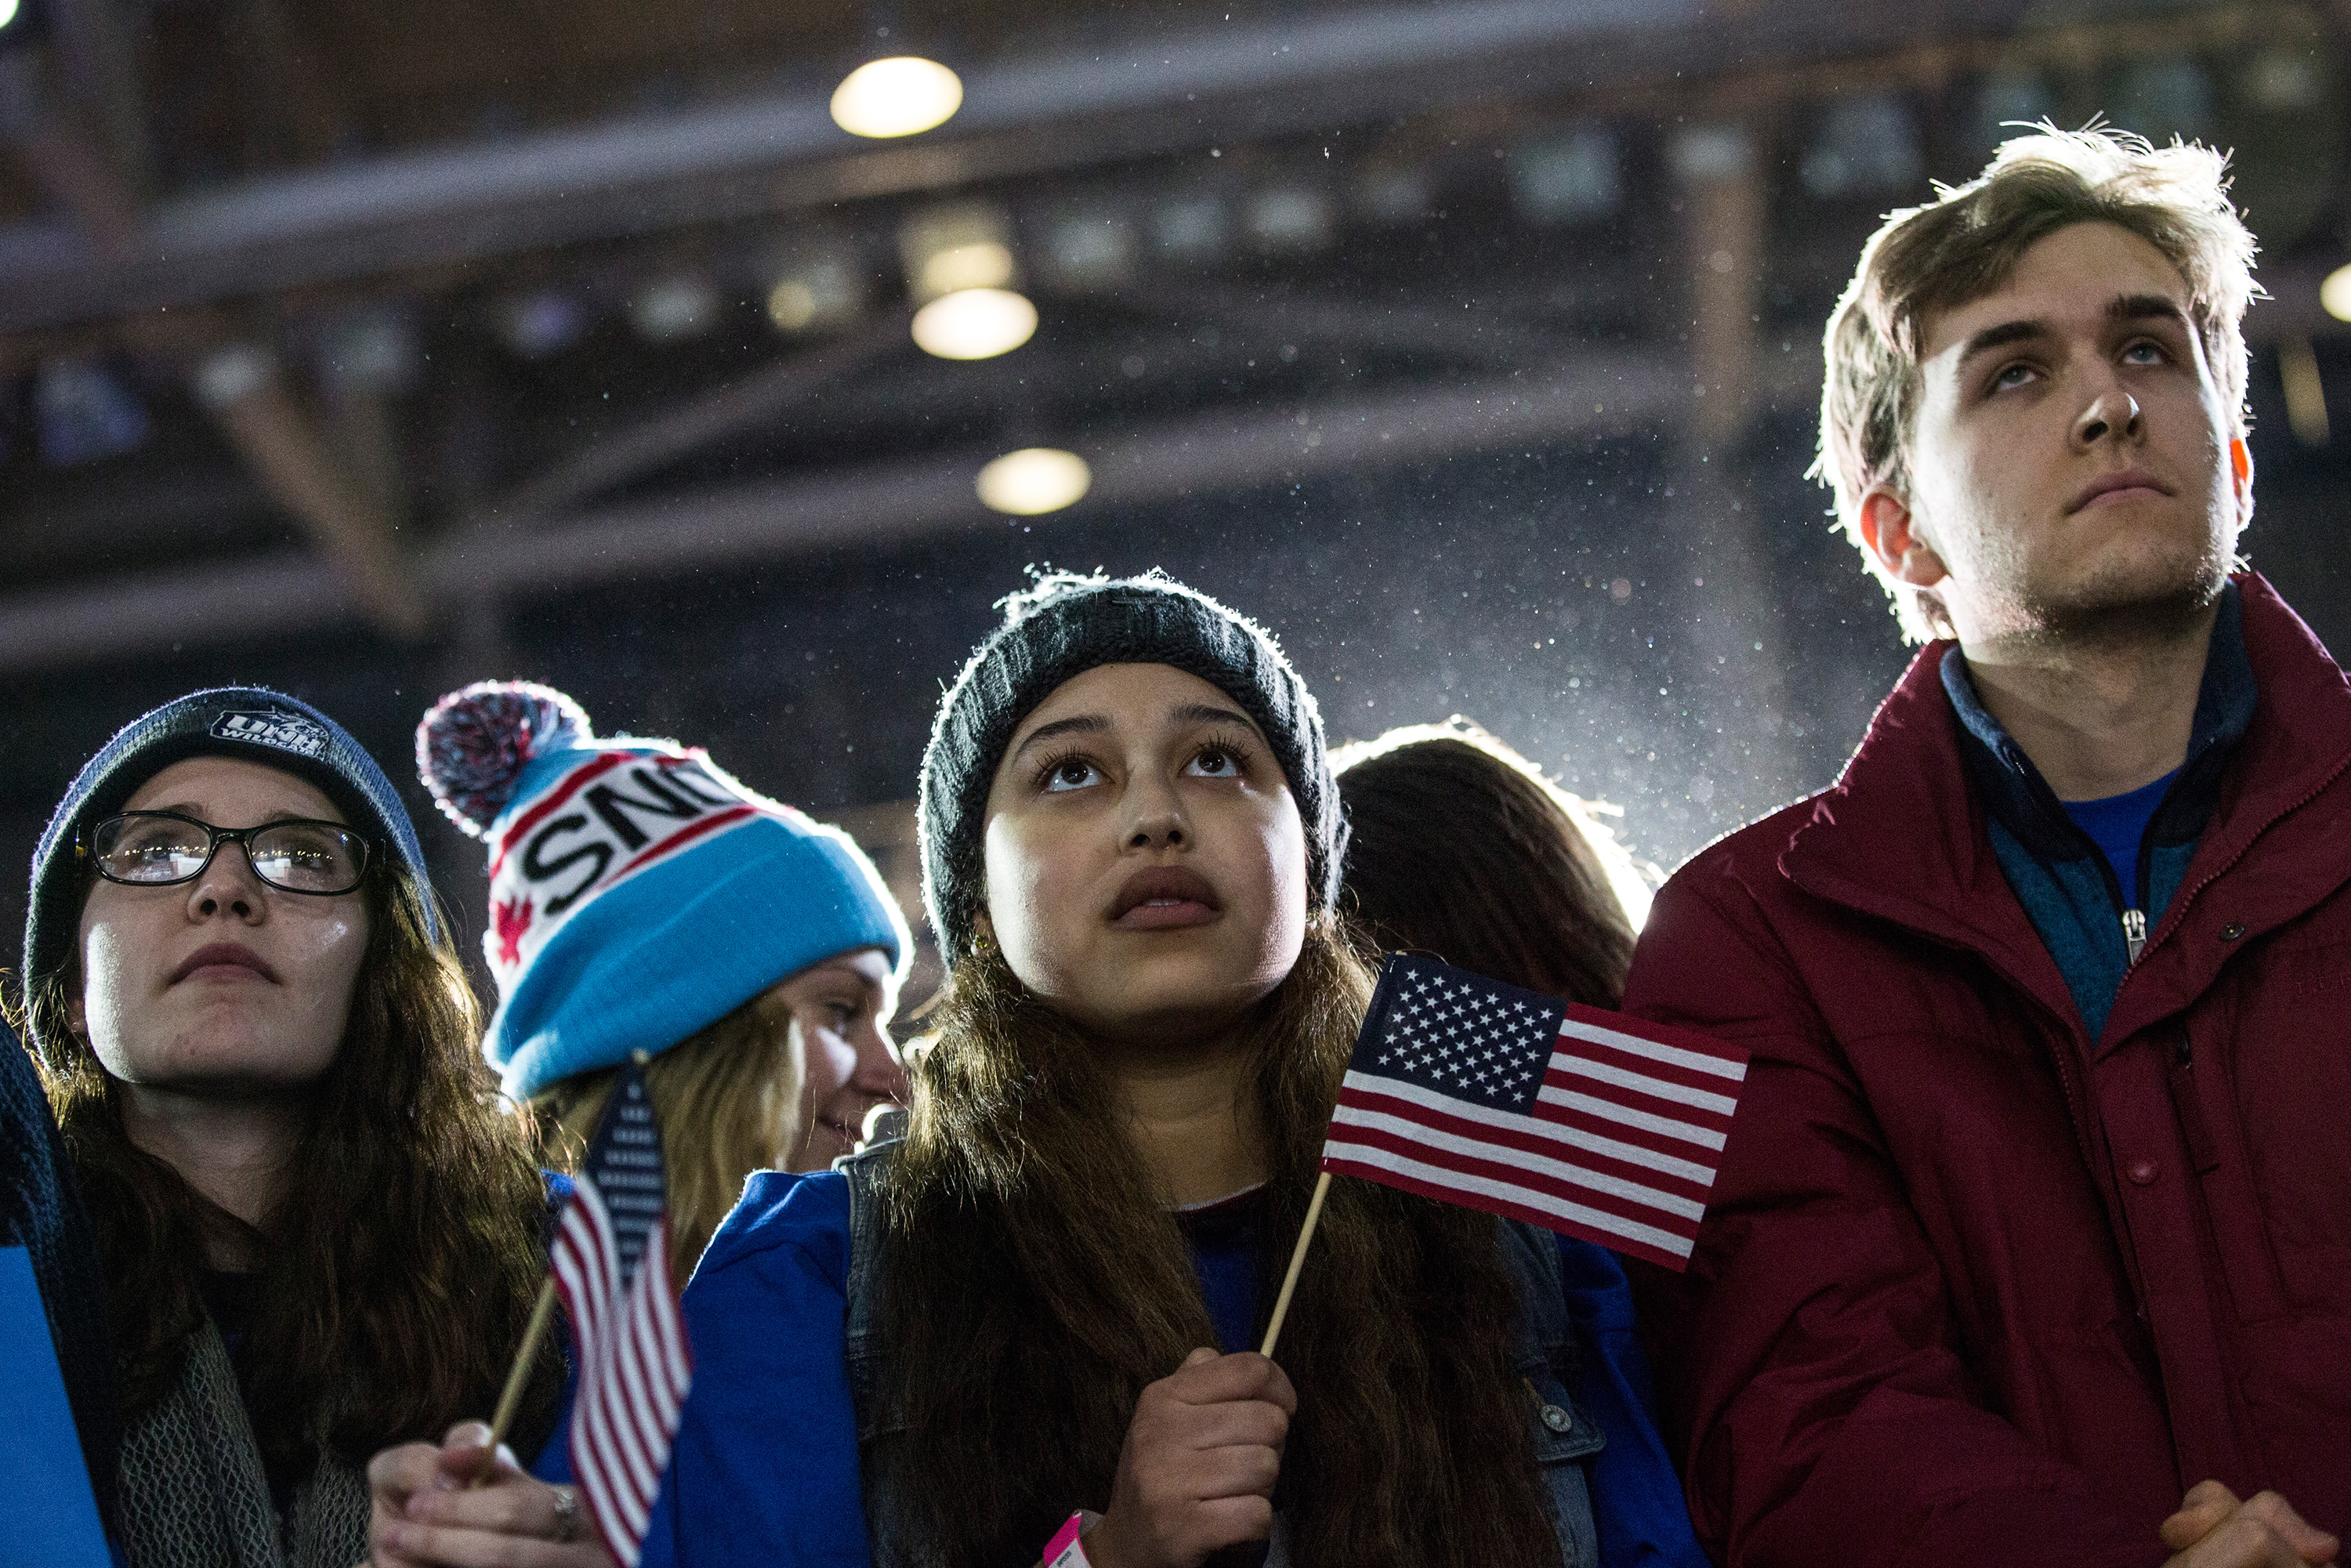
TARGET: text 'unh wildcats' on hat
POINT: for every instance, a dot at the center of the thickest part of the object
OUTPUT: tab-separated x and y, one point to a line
274	726
638	892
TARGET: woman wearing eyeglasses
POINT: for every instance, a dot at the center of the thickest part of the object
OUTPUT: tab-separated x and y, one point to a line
318	1236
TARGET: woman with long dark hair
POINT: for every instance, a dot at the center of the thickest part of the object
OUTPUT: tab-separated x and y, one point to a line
319	1234
1046	1298
1461	849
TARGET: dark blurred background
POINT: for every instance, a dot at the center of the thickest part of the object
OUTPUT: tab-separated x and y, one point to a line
1471	346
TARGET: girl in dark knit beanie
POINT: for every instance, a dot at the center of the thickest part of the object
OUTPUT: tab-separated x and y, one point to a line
1043	1300
1132	841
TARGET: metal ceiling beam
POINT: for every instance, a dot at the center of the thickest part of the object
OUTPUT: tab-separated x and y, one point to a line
615	457
1725	229
53	143
74	170
1149	92
883	506
351	516
101	70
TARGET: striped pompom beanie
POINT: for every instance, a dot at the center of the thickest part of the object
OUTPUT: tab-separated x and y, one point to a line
638	893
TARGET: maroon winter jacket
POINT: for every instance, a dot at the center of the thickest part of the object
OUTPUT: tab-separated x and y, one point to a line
1974	1287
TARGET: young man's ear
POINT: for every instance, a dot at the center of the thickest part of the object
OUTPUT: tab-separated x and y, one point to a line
1888	534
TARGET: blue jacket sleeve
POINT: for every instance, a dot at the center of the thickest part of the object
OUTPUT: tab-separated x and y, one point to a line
765	1472
1636	1498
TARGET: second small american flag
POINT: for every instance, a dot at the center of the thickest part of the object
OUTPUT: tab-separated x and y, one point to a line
610	1259
1582	1121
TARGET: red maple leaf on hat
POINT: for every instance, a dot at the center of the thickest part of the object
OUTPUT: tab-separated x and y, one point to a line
512	918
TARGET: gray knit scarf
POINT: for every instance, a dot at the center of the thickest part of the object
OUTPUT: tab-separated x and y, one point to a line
194	1494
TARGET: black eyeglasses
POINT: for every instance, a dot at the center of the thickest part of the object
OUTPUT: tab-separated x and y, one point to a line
158	849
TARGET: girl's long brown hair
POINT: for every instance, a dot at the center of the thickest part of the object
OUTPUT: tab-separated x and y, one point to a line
728	1098
1035	1282
1461	849
400	1266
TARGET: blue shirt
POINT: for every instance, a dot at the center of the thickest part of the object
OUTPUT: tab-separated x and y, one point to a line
1636	1497
2117	824
766	1471
1225	1250
2058	864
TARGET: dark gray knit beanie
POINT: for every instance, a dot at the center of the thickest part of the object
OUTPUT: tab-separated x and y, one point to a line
1062	627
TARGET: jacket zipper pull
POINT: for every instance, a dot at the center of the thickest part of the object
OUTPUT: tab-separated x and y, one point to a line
2135	931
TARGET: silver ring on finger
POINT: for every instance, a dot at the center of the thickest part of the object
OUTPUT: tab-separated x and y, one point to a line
566	1513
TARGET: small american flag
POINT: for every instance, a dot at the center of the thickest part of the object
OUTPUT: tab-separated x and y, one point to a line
1582	1121
610	1259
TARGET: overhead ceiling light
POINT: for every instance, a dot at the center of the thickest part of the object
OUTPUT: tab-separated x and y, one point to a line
2163	99
2009	102
84	414
983	264
2334	294
675	307
2306	392
1393	193
960	270
1193	228
229	375
1034	480
7	12
798	303
537	325
1568	177
817	285
370	349
1866	146
967	246
2285	79
975	324
1290	218
897	97
1090	249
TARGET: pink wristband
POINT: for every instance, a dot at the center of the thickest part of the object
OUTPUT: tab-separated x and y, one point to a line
1067	1549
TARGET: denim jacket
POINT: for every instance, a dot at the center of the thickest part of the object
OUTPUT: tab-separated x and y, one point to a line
1541	1349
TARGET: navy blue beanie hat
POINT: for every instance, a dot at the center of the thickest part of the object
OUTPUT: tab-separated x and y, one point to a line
1063	626
251	723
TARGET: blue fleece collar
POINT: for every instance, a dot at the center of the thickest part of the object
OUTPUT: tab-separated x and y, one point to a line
2017	796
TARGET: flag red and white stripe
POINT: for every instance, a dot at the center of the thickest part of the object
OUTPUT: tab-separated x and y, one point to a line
1579	1120
612	1270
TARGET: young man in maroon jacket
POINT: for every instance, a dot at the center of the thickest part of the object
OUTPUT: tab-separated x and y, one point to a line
2033	1244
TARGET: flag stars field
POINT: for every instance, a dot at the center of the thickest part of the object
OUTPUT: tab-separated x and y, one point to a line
1474	1093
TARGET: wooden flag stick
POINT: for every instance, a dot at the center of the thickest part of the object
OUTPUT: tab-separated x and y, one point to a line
1297	1258
542	1311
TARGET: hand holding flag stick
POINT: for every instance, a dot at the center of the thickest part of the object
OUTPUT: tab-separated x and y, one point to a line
1584	1122
542	1313
1297	1262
